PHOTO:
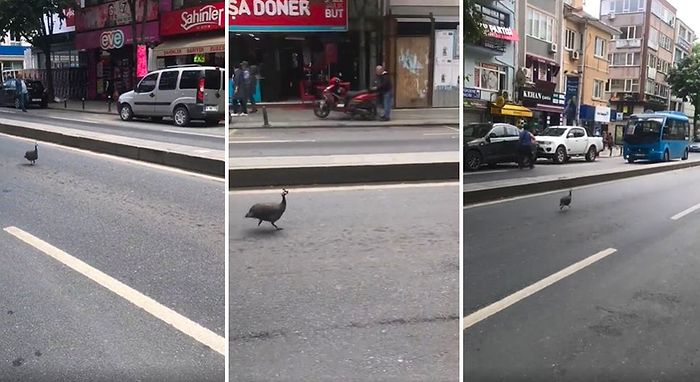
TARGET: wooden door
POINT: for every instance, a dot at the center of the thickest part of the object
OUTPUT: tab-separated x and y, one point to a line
412	71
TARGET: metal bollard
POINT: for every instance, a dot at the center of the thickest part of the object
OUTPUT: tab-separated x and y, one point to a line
109	104
266	121
83	103
65	103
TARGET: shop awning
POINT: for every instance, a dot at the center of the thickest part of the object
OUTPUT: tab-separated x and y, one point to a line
512	110
549	109
186	46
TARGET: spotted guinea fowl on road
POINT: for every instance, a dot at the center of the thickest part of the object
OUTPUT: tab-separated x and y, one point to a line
269	212
32	155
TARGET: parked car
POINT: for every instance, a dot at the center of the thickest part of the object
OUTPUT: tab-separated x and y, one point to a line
185	93
490	144
560	143
37	93
694	145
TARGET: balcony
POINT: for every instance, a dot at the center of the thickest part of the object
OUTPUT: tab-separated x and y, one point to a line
628	43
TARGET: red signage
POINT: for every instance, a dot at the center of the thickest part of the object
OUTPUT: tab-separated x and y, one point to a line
191	20
69	17
288	15
501	33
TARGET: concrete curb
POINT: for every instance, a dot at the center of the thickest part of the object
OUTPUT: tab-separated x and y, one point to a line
58	108
317	175
287	125
186	162
496	193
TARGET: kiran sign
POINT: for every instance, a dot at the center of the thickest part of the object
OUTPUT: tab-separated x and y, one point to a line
288	15
204	18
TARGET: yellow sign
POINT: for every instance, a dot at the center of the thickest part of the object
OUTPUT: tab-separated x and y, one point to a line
512	111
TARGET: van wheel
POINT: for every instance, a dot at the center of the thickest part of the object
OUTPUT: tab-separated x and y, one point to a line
685	155
666	156
472	161
560	155
125	112
591	154
181	116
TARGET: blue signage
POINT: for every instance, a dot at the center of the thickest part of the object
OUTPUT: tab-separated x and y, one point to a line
472	93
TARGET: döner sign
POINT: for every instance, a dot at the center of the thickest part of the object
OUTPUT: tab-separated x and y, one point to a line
287	15
294	8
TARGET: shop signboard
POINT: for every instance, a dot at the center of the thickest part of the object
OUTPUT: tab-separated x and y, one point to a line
204	18
471	93
141	61
288	15
112	14
602	114
63	24
115	38
500	33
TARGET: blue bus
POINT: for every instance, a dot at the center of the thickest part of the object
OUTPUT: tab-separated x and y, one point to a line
659	136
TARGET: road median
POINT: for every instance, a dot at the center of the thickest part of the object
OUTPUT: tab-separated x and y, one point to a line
342	169
205	161
491	191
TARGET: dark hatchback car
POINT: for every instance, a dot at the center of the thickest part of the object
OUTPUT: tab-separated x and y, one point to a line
489	144
37	94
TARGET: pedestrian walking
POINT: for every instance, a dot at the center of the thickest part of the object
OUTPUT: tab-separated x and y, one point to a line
241	81
527	142
382	84
21	92
609	140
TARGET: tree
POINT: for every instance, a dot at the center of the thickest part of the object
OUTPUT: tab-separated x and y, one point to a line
685	80
34	21
473	30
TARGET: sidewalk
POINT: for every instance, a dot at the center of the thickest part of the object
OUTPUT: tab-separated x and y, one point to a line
96	107
298	116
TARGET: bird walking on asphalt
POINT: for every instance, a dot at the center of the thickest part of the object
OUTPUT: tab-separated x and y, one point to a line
32	155
565	201
269	212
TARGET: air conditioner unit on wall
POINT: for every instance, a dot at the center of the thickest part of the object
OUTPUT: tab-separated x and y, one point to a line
611	16
574	55
553	47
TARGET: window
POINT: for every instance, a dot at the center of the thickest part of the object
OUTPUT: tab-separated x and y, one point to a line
662	12
148	83
599	47
649	88
628	32
542	71
654	38
666	42
625	59
212	79
168	80
652	61
570	43
598	89
190	79
624	85
498	132
539	25
577	133
492	16
512	131
621	6
489	77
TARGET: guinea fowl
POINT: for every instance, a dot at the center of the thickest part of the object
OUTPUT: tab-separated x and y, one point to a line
32	155
565	201
269	212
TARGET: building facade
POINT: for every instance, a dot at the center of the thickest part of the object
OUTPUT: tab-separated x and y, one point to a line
684	38
489	65
586	68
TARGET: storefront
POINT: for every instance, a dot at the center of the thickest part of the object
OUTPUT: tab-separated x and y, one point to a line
105	34
547	107
510	113
293	45
597	119
193	35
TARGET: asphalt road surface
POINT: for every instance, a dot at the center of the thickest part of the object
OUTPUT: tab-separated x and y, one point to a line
548	168
342	141
362	284
628	316
197	136
158	231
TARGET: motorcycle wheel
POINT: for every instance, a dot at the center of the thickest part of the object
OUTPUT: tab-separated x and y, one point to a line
321	111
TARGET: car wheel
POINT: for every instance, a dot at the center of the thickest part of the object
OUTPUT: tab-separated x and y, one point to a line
591	154
472	161
560	155
125	112
181	116
685	155
666	156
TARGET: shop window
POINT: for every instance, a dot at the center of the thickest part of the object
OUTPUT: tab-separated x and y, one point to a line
489	77
168	80
148	84
190	79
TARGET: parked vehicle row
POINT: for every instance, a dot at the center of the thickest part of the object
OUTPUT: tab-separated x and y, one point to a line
37	94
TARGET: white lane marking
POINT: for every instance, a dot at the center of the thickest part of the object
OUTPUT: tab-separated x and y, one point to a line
192	133
452	128
686	212
431	134
121	159
500	305
163	313
574	188
275	141
367	187
79	120
486	172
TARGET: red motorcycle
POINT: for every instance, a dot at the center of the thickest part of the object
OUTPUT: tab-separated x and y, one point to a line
338	97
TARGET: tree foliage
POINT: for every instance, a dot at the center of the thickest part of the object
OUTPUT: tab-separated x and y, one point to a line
33	20
685	79
473	31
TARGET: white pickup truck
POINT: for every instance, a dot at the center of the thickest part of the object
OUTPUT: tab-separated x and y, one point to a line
563	142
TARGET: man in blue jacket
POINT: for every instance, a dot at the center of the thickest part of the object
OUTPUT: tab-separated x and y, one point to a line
21	92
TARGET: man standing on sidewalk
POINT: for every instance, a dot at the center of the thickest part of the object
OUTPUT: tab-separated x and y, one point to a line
526	143
386	92
21	92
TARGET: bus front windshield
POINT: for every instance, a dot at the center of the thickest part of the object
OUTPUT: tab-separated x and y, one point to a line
644	130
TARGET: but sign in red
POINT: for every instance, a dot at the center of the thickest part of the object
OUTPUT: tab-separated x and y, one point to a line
288	15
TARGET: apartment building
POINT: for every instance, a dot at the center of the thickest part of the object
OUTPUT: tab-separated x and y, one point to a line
684	38
641	55
586	68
